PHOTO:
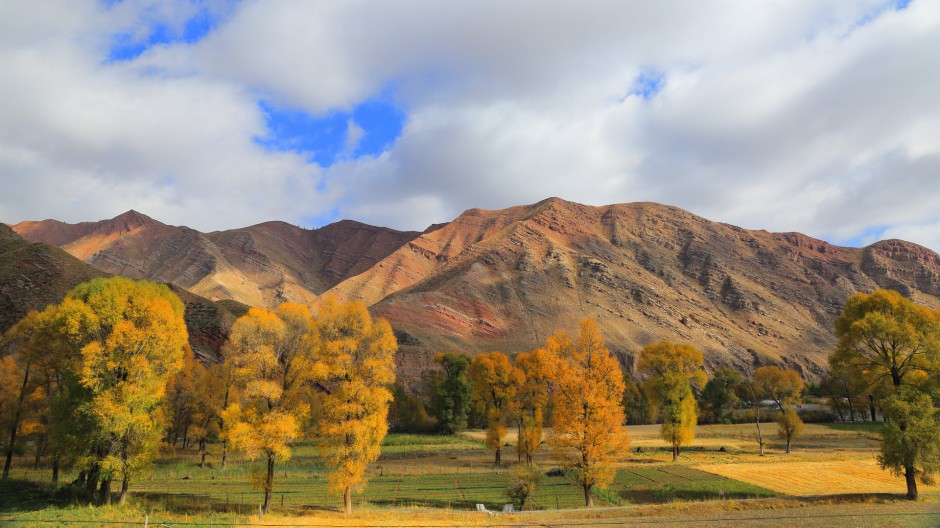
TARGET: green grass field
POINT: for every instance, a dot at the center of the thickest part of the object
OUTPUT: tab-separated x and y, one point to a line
417	473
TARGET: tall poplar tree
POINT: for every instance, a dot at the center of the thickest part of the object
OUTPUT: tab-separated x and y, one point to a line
272	355
494	383
356	368
673	371
587	416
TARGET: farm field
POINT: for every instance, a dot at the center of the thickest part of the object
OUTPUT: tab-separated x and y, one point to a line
433	478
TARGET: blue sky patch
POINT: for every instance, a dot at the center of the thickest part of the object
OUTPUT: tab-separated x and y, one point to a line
869	236
130	45
368	129
648	84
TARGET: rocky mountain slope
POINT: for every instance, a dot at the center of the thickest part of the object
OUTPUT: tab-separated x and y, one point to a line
261	265
34	275
507	279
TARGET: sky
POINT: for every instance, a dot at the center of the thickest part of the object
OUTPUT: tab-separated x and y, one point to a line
788	115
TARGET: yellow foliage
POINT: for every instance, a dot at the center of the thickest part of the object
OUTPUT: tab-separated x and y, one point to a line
494	383
271	357
587	419
356	363
532	399
135	339
673	371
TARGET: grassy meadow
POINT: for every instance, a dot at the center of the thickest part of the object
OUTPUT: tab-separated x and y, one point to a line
433	480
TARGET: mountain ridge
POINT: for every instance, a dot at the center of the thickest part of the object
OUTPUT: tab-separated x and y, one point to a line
506	279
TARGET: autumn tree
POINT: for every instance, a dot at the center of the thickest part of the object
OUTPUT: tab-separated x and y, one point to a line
894	346
494	382
272	355
673	372
532	401
140	342
357	357
451	392
783	387
26	337
587	418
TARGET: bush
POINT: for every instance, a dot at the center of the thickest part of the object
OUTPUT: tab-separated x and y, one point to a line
522	485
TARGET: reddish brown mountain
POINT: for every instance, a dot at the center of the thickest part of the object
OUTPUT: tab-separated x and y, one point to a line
261	265
34	275
507	279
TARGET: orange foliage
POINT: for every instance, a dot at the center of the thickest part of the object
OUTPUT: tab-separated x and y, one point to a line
587	418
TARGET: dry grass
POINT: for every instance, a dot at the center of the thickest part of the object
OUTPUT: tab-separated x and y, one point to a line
815	478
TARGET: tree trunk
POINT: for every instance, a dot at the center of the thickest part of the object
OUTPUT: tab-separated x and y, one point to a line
202	462
675	452
104	494
588	498
55	470
499	455
14	425
910	475
347	500
124	485
789	438
224	453
871	406
91	480
268	485
760	437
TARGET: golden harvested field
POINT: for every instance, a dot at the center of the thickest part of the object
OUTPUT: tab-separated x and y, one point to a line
816	478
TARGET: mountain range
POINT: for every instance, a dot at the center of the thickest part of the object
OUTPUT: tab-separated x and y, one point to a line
507	279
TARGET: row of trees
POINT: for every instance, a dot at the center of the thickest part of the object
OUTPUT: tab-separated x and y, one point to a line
99	380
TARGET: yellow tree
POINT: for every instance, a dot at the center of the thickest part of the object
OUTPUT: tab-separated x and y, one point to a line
357	358
783	387
26	338
140	342
532	400
673	371
587	416
494	382
272	355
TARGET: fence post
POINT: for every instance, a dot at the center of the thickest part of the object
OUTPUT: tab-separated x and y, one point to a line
146	520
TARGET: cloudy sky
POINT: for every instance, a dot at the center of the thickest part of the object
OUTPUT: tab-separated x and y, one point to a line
787	115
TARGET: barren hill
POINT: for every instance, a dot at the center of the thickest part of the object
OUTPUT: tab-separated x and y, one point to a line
34	275
506	279
261	265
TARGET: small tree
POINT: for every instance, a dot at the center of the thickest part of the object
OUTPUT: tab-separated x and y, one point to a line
587	417
494	383
532	401
783	387
523	484
673	372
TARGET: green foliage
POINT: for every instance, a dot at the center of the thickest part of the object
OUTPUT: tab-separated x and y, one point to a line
911	435
523	483
451	393
407	414
720	396
636	405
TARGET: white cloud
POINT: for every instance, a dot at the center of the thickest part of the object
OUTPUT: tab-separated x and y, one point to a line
785	115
